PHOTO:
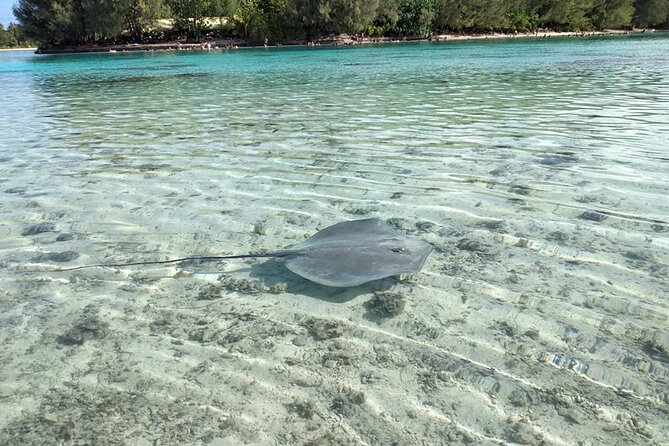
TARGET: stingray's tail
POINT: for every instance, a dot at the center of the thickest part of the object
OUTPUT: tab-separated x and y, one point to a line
182	259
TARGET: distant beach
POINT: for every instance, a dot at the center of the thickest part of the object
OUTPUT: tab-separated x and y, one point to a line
343	39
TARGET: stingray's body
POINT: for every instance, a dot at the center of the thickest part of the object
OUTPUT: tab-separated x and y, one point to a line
354	252
342	255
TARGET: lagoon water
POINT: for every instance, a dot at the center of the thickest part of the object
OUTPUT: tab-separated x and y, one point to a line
538	170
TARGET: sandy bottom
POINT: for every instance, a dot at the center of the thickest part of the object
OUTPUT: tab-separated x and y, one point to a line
257	355
539	177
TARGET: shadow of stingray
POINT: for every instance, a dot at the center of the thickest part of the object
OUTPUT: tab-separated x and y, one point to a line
273	272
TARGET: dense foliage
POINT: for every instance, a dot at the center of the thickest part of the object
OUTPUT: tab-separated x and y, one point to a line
13	37
57	22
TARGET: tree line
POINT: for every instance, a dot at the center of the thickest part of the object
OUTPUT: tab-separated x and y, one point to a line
13	37
63	22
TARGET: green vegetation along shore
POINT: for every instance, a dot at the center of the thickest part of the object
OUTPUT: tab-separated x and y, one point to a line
14	37
341	39
61	24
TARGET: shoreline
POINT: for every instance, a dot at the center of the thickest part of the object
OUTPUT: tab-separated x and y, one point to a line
19	49
343	39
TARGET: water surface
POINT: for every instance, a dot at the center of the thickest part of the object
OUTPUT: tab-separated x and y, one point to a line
538	169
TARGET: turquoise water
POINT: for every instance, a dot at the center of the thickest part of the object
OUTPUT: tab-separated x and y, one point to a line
538	169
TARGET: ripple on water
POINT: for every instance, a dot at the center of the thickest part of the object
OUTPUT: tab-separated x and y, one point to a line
539	177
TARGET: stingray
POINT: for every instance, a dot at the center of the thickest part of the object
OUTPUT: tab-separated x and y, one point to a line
342	255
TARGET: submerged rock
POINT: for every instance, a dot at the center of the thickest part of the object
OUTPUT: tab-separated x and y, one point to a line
38	229
87	328
60	257
386	304
322	329
66	256
424	226
466	244
593	216
557	160
210	291
64	237
15	190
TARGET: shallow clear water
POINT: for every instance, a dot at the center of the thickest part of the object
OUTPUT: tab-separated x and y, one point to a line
538	169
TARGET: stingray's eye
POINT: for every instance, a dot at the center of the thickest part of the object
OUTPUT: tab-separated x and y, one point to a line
397	249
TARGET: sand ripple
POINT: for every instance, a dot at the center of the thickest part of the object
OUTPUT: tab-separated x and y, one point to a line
540	180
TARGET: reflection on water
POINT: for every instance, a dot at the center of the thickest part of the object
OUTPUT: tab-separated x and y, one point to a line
537	169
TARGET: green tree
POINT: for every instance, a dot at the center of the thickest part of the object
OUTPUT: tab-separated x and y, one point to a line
249	19
139	16
415	17
649	13
497	15
452	15
16	33
57	22
387	15
260	19
521	20
47	21
8	39
351	16
189	16
13	37
564	14
315	18
611	13
223	9
302	18
94	19
482	15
